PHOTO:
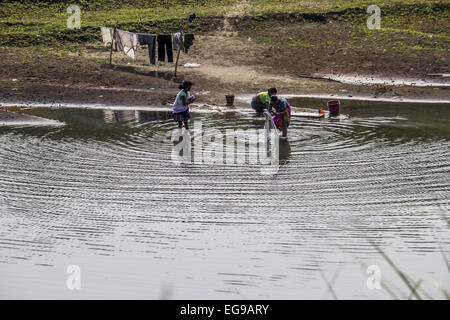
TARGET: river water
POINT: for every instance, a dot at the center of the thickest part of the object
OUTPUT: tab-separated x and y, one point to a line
102	193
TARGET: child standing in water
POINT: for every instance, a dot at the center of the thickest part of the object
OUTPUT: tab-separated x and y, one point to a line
181	105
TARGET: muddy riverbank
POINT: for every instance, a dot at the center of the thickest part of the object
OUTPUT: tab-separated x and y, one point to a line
154	90
245	51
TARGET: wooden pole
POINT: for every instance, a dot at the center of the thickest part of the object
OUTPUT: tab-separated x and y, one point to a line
179	49
112	45
176	63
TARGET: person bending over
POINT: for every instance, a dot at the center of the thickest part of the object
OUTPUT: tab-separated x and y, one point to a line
261	101
281	111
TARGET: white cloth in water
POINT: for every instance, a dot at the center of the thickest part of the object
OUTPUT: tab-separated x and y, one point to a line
127	42
107	35
191	65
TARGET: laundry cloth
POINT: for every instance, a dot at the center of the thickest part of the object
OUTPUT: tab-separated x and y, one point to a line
107	35
286	117
165	42
150	41
188	41
127	42
177	40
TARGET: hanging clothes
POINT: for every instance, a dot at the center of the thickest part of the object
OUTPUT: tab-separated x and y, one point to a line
107	35
188	41
165	42
177	40
150	41
127	42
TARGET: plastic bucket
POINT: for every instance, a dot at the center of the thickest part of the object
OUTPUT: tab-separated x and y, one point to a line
230	99
333	107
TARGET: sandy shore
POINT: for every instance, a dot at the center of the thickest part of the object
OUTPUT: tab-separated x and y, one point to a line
228	65
34	94
50	95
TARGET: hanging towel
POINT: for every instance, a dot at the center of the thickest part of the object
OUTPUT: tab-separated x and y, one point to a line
126	42
165	41
177	40
107	35
188	41
150	41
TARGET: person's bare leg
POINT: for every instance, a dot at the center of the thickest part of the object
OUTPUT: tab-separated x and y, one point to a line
180	124
284	129
186	125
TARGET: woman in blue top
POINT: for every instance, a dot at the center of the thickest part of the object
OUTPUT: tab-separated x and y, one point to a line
181	105
281	114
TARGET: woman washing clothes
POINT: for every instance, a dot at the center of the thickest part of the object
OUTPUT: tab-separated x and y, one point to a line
281	113
261	100
181	105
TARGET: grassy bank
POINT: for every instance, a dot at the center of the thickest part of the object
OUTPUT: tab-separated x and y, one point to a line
423	30
25	23
277	37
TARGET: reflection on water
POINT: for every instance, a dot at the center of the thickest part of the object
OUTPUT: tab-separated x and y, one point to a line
102	192
124	116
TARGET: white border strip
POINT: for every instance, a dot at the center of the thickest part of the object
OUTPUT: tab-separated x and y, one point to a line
248	98
196	109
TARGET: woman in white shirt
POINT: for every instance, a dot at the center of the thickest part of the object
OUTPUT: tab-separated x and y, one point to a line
181	105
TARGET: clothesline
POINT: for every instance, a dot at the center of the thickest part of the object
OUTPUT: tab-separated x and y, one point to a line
127	42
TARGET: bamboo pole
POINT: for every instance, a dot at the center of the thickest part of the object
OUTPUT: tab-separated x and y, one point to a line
112	45
176	63
179	50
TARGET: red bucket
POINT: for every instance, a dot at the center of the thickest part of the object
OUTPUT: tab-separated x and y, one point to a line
333	107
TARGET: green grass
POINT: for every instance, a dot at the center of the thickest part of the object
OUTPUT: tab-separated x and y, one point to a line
421	30
30	24
322	6
25	23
